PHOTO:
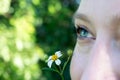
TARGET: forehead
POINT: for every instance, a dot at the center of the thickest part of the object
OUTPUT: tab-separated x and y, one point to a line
101	4
100	12
102	8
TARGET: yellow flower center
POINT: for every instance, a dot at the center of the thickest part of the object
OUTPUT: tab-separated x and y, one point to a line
54	57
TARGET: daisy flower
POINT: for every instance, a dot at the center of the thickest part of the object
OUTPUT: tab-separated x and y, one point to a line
54	58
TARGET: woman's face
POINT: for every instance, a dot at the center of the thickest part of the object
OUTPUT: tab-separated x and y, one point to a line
97	51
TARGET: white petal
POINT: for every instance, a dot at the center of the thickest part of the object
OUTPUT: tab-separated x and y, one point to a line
58	62
58	53
49	58
50	63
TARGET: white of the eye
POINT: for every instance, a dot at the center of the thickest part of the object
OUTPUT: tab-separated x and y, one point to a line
89	35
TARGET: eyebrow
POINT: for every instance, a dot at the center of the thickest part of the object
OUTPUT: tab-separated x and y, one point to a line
81	16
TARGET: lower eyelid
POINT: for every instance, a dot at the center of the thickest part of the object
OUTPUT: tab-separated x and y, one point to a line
84	38
85	41
89	36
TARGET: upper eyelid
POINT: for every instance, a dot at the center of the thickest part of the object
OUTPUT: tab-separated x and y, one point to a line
83	19
82	26
81	16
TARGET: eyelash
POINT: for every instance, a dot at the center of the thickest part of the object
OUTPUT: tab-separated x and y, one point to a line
83	33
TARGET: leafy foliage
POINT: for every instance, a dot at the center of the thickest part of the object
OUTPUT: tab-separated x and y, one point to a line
30	31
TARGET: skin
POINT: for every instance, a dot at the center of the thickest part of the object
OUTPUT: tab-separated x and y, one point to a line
97	57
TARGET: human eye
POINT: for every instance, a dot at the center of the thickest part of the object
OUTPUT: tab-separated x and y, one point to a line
83	33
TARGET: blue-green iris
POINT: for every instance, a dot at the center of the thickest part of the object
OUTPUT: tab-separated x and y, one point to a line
83	33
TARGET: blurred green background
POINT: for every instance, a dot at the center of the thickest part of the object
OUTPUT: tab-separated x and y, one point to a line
31	31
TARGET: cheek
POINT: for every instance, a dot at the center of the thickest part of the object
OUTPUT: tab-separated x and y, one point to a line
76	67
116	64
78	63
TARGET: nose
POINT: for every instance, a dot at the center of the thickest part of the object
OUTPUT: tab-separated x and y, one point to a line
100	64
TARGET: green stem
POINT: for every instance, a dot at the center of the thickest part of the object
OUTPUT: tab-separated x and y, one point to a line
61	73
65	64
60	69
62	76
